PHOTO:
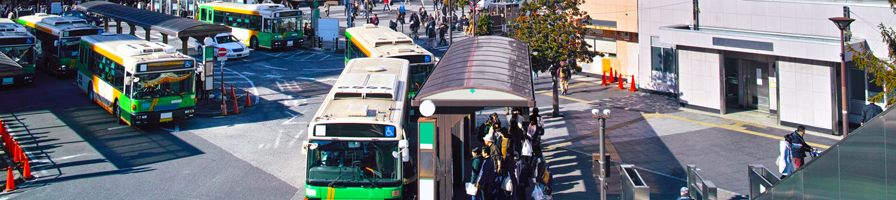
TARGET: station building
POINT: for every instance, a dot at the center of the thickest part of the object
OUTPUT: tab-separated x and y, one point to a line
778	59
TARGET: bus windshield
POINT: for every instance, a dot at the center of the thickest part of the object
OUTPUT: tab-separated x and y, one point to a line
353	163
68	47
24	55
283	25
155	85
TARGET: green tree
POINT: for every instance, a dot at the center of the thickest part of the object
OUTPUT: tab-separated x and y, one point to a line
884	71
555	32
484	24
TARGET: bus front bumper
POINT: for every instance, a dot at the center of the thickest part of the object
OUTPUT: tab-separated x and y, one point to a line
287	43
145	118
17	79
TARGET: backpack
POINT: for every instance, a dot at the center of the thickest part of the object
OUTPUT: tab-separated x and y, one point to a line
482	131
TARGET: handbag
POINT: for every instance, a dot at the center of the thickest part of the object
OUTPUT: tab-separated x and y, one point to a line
471	189
527	148
506	185
537	193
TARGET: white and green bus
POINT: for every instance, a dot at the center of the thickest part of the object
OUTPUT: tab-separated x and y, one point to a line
370	41
57	40
138	81
357	146
256	25
16	54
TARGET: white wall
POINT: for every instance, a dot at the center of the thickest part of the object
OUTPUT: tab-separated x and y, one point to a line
801	17
699	77
805	93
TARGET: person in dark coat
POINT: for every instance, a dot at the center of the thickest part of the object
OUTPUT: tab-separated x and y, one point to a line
799	147
477	163
487	176
869	111
443	29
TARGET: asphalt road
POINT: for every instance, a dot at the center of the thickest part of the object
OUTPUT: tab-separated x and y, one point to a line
80	150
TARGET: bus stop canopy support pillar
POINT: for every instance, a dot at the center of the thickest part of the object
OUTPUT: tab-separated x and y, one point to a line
147	31
105	24
184	41
118	26
132	29
164	38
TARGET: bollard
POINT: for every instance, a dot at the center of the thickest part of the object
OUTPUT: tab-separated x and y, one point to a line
335	44
248	100
320	43
632	88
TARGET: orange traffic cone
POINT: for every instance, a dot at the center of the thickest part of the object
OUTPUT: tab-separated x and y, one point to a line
248	100
15	153
232	94
620	84
633	89
236	107
612	76
26	171
223	107
10	180
603	81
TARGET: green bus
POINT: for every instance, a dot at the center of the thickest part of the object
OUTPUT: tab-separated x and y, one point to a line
16	54
138	81
370	41
256	25
357	147
57	40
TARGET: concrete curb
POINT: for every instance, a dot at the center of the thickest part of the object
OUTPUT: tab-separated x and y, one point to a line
218	113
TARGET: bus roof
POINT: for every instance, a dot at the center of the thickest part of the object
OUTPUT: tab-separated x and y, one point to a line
360	93
128	50
7	25
265	10
55	24
383	42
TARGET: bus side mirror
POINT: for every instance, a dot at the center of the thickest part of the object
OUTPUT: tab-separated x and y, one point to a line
55	43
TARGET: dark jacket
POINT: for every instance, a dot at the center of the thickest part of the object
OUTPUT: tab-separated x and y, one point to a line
800	147
486	183
869	111
477	165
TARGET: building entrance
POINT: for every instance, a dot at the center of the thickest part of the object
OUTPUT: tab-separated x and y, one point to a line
746	85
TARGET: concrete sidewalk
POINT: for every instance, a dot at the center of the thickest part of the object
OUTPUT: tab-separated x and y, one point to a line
653	133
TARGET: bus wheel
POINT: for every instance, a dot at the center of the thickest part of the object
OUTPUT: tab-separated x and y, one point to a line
253	43
117	112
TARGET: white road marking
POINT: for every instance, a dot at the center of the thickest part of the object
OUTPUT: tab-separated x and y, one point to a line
254	90
260	146
120	127
272	76
277	68
277	141
248	73
176	129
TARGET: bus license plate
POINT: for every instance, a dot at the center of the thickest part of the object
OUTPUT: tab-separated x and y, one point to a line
164	117
289	43
7	81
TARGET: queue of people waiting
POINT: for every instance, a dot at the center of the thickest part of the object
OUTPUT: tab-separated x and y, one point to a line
511	160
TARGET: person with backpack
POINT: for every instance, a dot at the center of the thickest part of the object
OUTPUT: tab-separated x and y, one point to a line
799	147
375	20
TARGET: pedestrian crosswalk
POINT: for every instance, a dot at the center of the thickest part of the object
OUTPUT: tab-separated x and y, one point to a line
288	86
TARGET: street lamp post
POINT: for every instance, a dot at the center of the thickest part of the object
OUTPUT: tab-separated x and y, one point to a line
603	157
842	23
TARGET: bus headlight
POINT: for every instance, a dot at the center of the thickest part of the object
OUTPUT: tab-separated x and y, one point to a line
311	193
63	66
188	111
141	116
27	77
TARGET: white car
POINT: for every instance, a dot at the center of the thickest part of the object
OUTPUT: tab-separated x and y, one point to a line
235	48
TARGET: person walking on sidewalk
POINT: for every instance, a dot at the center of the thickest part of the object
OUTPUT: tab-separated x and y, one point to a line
443	29
685	194
799	147
785	160
564	77
386	6
869	111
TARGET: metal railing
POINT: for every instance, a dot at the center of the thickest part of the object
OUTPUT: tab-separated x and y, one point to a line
699	188
633	186
761	179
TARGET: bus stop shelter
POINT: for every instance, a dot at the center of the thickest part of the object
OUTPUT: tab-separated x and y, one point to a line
478	72
182	28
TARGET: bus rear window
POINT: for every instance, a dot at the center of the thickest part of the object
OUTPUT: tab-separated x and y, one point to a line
347	95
